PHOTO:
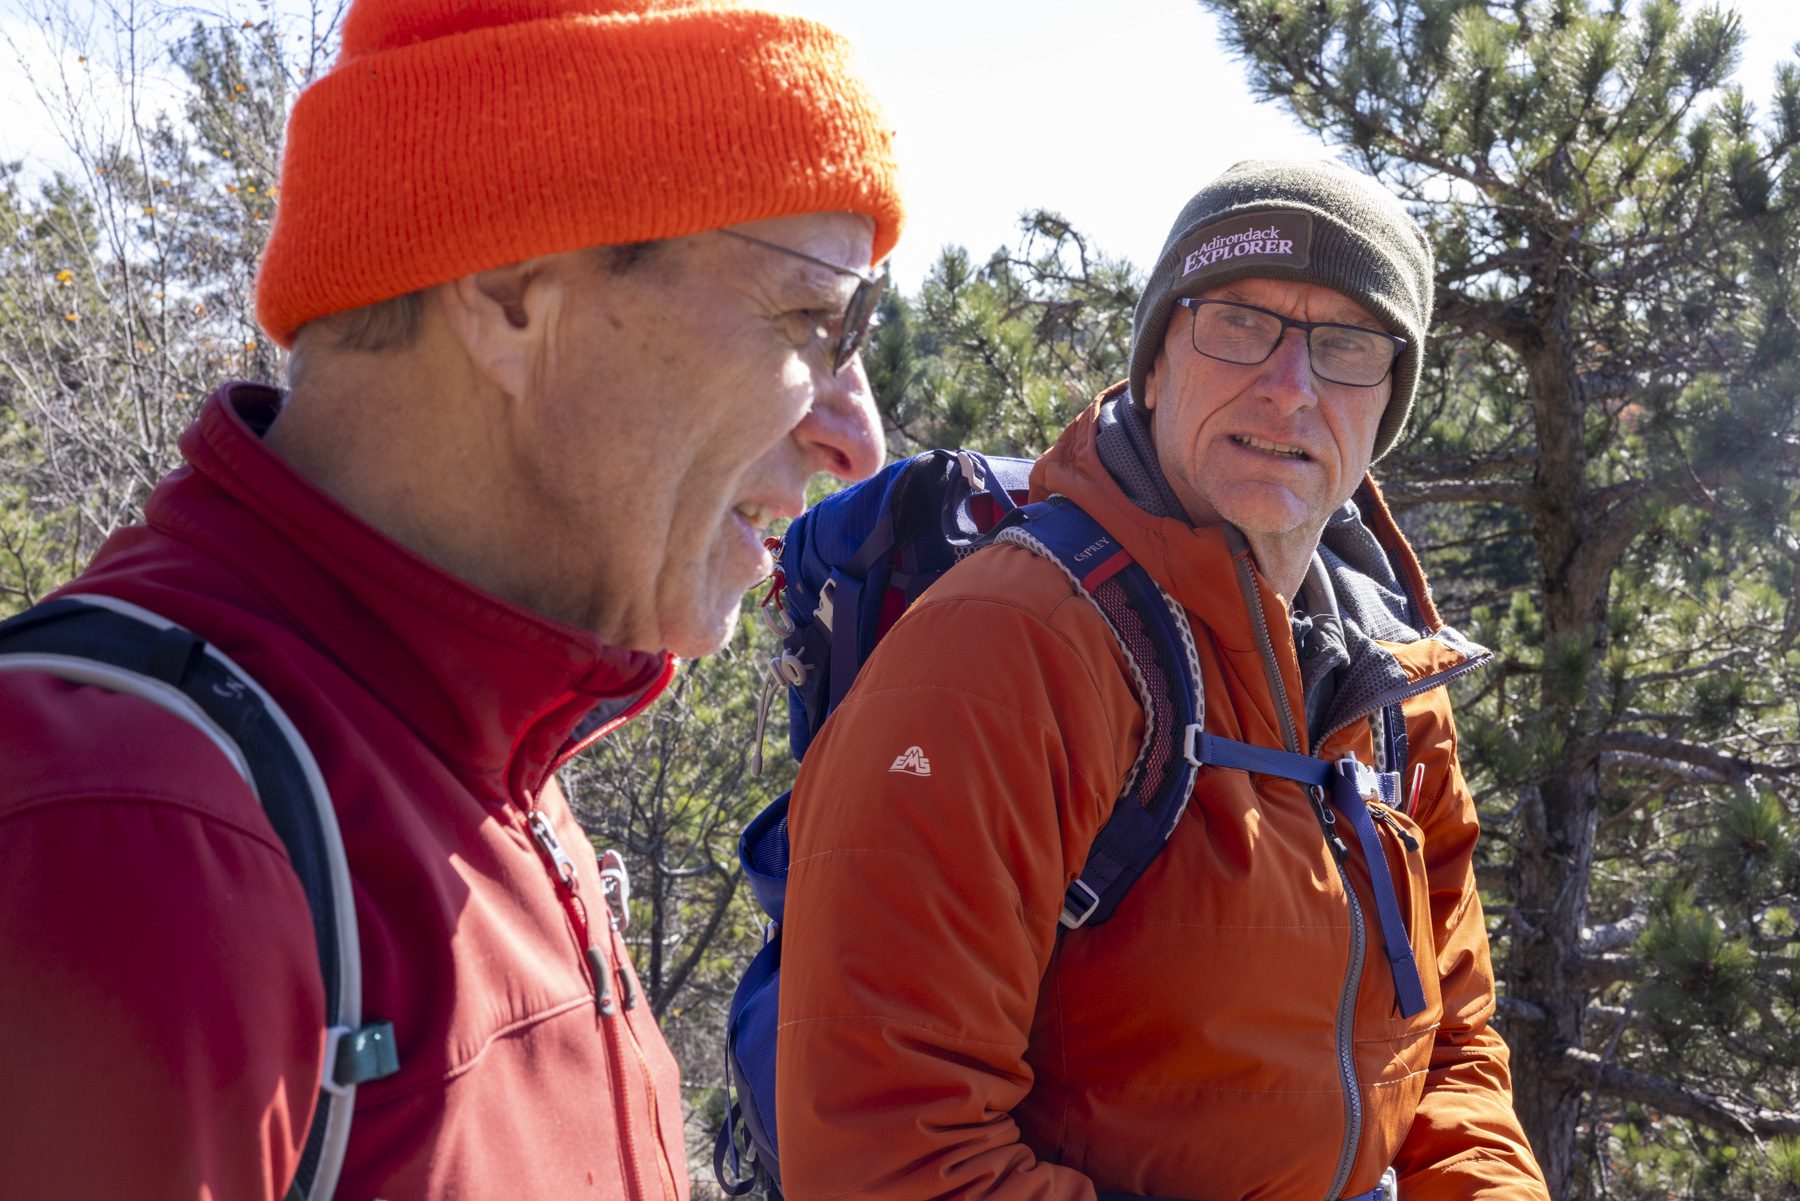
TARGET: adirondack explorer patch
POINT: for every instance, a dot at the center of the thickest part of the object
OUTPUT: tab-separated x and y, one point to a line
1266	239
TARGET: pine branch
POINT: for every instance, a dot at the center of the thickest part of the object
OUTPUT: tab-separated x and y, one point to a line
1588	1070
1598	971
1723	766
1408	495
1502	320
1612	936
1422	468
697	947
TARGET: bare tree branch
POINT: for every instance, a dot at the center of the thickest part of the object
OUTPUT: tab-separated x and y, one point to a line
1401	495
1723	766
1598	971
1588	1070
1613	936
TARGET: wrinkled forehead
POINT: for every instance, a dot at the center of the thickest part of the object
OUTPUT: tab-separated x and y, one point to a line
1299	299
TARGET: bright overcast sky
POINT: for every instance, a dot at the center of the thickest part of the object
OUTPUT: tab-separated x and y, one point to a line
1111	112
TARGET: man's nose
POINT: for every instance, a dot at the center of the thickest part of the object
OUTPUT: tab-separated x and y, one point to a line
842	432
1287	376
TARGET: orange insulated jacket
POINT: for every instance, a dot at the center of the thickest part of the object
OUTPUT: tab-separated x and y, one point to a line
1232	1032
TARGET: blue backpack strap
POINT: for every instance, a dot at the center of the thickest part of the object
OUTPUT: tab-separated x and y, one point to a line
745	1149
1349	784
1153	633
1352	786
1214	751
114	645
927	498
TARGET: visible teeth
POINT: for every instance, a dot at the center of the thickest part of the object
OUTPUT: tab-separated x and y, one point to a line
1274	448
760	516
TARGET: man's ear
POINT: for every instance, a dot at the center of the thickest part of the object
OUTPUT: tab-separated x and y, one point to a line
1148	399
501	318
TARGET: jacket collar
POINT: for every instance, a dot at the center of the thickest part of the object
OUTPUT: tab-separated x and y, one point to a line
1192	563
501	694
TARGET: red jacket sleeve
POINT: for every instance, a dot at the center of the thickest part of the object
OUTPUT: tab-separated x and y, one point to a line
161	1011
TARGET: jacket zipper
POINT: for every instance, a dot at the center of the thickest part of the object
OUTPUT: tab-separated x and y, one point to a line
1408	846
617	1038
624	1033
1346	1011
1290	737
562	871
1346	1014
1385	816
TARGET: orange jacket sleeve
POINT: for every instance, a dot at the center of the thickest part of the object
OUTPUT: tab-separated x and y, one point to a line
922	908
1465	1141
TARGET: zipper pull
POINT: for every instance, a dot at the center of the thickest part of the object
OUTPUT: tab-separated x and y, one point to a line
1327	823
551	848
1386	817
604	1004
596	959
625	985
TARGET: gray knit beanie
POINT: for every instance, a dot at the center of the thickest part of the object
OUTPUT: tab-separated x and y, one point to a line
1314	221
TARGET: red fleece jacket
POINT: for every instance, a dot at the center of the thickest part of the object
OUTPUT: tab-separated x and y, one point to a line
160	999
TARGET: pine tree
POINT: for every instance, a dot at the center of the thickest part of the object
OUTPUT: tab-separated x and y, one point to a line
126	281
999	357
1603	478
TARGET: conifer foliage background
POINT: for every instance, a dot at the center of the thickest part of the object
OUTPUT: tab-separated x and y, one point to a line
1602	481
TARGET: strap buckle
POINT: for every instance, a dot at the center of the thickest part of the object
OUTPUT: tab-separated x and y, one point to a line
356	1056
1070	917
971	471
1190	744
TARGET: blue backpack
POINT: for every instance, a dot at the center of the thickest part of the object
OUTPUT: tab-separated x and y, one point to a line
848	568
107	643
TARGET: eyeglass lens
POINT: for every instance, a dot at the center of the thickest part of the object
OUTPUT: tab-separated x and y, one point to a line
859	319
1341	354
859	313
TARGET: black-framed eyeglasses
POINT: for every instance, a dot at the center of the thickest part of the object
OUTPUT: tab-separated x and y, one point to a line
1233	332
858	319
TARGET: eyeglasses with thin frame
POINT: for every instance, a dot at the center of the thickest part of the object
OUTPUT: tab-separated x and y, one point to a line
1234	332
858	319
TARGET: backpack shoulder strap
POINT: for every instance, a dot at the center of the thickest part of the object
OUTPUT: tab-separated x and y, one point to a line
1153	632
108	643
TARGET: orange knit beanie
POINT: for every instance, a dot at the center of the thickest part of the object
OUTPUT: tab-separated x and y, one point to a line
453	136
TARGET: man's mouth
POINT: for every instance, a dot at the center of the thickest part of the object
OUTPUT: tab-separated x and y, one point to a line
1269	448
760	517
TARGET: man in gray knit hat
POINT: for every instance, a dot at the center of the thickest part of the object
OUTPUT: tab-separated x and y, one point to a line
1267	249
1293	998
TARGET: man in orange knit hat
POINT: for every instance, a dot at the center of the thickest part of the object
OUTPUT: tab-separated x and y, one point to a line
575	291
